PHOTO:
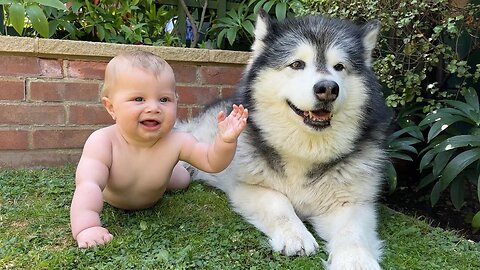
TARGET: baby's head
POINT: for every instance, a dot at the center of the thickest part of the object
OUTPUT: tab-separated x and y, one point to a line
145	61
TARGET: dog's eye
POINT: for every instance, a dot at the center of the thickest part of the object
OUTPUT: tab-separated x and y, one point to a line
339	67
297	65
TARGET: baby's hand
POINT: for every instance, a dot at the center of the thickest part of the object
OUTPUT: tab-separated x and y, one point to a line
229	128
93	236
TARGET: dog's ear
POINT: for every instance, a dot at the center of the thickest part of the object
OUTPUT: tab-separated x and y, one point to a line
369	38
261	29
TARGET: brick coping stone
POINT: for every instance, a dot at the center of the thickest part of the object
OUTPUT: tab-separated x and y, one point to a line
71	49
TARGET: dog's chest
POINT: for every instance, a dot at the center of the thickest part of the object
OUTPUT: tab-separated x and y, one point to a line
310	197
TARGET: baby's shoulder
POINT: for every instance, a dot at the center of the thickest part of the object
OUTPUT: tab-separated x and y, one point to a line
105	134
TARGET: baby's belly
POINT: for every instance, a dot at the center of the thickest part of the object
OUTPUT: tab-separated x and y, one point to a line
131	199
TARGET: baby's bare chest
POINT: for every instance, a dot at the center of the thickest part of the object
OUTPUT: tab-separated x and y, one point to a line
141	171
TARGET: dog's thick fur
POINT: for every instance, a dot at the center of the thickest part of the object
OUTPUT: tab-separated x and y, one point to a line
313	148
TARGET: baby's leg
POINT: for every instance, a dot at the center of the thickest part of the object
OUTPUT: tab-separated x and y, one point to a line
180	178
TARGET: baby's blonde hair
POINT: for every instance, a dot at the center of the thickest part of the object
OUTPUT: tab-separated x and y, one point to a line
136	59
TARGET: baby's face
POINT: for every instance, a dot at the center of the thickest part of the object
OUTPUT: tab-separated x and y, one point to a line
144	105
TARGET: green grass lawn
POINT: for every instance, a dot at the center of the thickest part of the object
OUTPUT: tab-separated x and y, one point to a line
187	229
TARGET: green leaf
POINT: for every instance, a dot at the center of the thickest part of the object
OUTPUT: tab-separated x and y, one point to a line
17	17
281	10
248	26
268	5
456	142
404	144
391	177
472	98
425	181
433	117
231	35
52	3
258	6
100	32
462	106
476	220
457	192
440	162
5	2
220	37
442	124
435	194
38	19
478	185
400	156
426	159
457	165
414	131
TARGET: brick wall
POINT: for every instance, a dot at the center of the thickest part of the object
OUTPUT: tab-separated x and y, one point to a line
50	103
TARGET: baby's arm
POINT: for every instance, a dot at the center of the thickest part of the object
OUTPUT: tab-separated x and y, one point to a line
87	203
218	155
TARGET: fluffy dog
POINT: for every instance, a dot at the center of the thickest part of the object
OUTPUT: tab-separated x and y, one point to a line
313	150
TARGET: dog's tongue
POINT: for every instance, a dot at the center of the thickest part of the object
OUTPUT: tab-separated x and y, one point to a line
317	115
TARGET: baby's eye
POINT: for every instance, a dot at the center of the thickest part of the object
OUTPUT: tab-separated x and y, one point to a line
164	99
138	99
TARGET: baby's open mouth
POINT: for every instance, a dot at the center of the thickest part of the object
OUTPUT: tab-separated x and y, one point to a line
150	123
317	119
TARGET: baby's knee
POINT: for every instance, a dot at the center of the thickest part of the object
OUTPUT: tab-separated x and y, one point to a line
180	178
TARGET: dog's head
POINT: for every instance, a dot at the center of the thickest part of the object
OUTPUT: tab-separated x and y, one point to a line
313	67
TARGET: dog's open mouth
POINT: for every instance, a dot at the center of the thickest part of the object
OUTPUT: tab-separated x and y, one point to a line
317	119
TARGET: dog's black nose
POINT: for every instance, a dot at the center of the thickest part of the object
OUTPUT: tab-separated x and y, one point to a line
326	90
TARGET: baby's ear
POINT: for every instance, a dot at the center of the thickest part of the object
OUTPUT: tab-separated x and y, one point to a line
109	107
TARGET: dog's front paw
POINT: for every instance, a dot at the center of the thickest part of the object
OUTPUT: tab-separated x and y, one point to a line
296	242
352	258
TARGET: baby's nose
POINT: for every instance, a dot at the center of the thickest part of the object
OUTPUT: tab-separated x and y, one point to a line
153	107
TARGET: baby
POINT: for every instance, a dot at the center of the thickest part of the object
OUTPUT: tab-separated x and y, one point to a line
131	163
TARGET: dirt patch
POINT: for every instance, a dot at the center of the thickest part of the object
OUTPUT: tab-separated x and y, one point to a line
417	203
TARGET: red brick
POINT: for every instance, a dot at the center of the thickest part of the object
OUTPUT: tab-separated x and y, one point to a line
32	114
36	158
220	75
184	73
60	138
196	111
61	91
197	95
89	115
13	140
183	113
51	68
12	90
86	69
227	91
19	66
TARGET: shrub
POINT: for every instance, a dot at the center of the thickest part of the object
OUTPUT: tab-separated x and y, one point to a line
453	152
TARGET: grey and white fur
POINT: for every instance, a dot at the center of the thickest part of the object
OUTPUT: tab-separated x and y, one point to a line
313	150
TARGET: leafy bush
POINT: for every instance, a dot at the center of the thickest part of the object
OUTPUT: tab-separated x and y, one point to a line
33	10
132	22
453	152
238	25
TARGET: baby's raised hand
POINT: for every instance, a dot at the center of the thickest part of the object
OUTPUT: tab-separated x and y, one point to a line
93	236
230	127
